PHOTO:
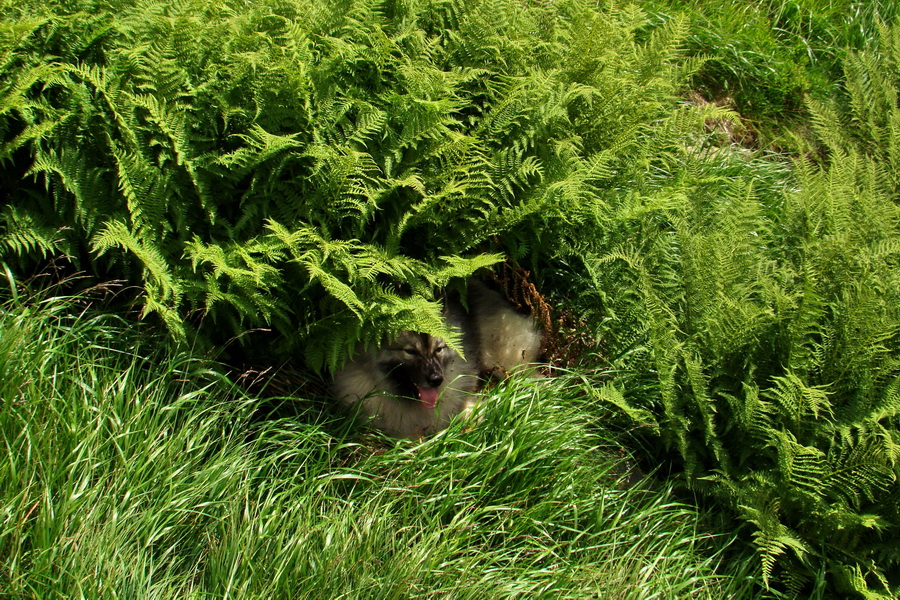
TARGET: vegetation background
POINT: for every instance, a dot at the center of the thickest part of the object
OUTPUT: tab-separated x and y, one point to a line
706	191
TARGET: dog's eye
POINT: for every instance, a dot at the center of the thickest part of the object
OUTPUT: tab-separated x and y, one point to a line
440	349
409	351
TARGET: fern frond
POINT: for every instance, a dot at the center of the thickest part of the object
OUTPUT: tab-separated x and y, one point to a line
116	234
146	192
612	395
259	146
24	234
860	472
169	315
459	267
799	400
70	172
773	539
856	579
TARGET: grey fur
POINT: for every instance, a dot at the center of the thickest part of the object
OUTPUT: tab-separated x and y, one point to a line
415	385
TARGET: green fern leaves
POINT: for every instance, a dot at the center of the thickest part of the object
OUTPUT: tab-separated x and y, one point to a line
228	158
756	318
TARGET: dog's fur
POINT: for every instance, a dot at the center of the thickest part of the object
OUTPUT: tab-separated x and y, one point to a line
416	384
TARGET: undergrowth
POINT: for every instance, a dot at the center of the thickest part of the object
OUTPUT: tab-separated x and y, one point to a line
767	58
140	472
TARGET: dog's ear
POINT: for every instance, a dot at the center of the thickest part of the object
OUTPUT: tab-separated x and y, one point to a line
400	288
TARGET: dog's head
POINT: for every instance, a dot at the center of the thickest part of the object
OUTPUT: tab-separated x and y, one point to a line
416	362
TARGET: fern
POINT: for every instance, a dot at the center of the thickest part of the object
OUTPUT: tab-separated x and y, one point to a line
773	538
750	308
116	234
25	234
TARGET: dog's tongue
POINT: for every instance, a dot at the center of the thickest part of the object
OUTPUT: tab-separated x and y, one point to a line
428	396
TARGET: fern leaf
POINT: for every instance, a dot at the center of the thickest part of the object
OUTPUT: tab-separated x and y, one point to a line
799	400
25	234
773	539
115	234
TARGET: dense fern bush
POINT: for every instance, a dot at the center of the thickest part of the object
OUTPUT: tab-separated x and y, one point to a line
319	168
756	336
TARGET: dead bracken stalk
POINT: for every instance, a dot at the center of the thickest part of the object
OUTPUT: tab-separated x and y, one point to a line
566	337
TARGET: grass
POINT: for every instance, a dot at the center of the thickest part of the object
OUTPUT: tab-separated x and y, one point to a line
767	58
135	471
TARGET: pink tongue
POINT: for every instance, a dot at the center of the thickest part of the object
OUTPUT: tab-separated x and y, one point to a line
428	396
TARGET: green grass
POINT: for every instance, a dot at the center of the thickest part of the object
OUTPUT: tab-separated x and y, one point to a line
133	471
767	58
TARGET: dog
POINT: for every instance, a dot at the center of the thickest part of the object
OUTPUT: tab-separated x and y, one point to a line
416	384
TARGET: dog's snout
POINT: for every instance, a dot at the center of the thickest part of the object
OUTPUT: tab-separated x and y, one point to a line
435	379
